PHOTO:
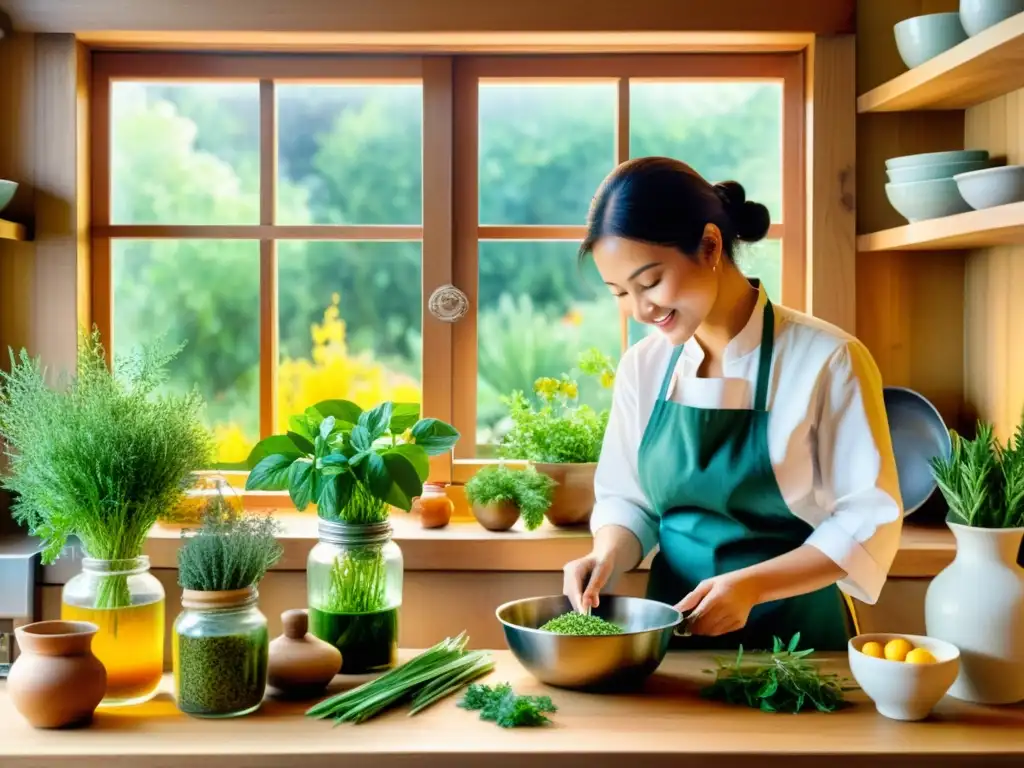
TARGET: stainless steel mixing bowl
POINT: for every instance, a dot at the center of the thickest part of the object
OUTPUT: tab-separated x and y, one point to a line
602	662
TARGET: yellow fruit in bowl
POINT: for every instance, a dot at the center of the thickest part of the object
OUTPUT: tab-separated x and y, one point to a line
920	656
871	648
897	650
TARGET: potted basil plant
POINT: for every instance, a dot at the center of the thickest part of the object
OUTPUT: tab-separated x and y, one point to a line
353	464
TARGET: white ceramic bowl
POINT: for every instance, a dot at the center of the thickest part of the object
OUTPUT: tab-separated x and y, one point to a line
989	187
899	690
978	15
921	38
930	158
921	200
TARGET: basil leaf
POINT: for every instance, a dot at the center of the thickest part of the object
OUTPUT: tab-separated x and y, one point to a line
280	444
327	505
434	436
326	427
415	455
271	473
403	417
361	439
299	424
376	475
345	412
406	483
301	443
376	421
300	479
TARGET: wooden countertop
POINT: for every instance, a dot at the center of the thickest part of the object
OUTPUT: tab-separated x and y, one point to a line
466	546
668	721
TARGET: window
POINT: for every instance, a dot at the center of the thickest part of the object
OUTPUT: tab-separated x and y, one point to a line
286	218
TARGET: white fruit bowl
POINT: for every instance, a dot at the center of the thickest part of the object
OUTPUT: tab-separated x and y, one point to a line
899	690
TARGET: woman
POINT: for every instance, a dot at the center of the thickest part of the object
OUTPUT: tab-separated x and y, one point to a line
747	440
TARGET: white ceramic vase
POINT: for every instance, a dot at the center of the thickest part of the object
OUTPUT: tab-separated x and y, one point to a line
977	604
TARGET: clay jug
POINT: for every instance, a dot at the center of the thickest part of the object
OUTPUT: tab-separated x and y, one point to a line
300	664
56	681
977	604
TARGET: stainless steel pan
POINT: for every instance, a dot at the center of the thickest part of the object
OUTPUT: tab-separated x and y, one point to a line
918	434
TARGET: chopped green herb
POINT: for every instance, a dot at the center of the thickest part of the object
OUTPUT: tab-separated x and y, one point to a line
574	623
785	680
501	705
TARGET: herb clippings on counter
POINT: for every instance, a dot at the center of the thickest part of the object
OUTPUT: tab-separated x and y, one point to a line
421	681
785	680
574	623
501	705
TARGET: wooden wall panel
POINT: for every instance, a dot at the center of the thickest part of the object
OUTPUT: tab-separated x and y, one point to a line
909	305
994	310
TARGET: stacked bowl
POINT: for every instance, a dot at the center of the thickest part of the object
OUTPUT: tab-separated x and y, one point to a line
922	186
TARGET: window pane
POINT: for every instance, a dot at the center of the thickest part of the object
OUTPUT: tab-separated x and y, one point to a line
184	153
539	309
351	323
724	130
762	260
204	293
350	154
544	149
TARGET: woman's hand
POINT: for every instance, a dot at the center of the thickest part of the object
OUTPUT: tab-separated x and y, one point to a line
583	579
720	605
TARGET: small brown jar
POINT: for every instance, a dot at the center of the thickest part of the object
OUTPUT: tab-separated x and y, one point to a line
433	507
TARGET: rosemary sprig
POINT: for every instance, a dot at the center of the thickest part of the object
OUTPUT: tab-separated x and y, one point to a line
784	680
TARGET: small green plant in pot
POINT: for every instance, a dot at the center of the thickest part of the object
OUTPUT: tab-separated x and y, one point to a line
354	464
562	437
100	457
977	602
220	639
500	496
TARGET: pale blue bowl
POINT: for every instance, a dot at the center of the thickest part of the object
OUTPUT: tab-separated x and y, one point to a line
921	38
7	190
920	200
934	171
978	15
935	158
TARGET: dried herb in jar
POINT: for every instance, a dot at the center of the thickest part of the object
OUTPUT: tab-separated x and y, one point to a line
221	675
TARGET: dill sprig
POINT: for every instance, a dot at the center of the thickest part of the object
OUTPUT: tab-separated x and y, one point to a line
231	550
982	481
102	456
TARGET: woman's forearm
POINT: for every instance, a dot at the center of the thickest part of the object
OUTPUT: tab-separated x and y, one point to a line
804	570
621	544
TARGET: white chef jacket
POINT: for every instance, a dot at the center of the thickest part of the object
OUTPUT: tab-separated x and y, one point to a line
828	437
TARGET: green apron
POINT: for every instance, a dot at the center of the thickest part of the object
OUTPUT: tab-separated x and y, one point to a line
708	476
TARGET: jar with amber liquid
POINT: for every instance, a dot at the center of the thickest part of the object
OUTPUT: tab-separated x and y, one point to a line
433	507
126	602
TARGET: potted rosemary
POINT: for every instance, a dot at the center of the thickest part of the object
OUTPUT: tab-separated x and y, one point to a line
354	465
101	457
500	496
220	639
562	437
977	602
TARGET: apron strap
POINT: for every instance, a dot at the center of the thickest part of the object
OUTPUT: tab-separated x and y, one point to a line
670	372
764	365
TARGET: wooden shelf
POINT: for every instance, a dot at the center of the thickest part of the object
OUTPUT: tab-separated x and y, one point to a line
1003	225
981	68
11	231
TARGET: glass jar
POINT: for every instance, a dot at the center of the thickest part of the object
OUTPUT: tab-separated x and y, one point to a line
433	507
354	583
220	648
126	602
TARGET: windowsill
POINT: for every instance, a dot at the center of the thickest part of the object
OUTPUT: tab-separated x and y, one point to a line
466	546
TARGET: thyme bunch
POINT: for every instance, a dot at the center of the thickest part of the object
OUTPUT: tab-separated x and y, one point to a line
231	550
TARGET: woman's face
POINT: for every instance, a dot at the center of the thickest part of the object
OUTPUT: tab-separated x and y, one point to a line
660	286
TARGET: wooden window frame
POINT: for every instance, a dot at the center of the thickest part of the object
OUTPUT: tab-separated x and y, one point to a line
470	71
450	230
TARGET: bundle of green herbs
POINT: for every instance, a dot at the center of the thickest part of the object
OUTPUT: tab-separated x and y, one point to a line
574	623
982	481
560	430
101	455
420	682
528	489
502	706
783	680
221	656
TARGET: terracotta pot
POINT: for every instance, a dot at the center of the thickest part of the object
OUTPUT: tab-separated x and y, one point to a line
499	516
301	665
56	681
433	508
573	499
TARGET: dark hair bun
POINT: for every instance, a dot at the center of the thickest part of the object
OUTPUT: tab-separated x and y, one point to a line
750	219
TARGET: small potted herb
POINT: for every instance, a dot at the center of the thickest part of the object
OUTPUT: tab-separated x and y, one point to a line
500	496
220	639
354	464
982	482
562	437
101	457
